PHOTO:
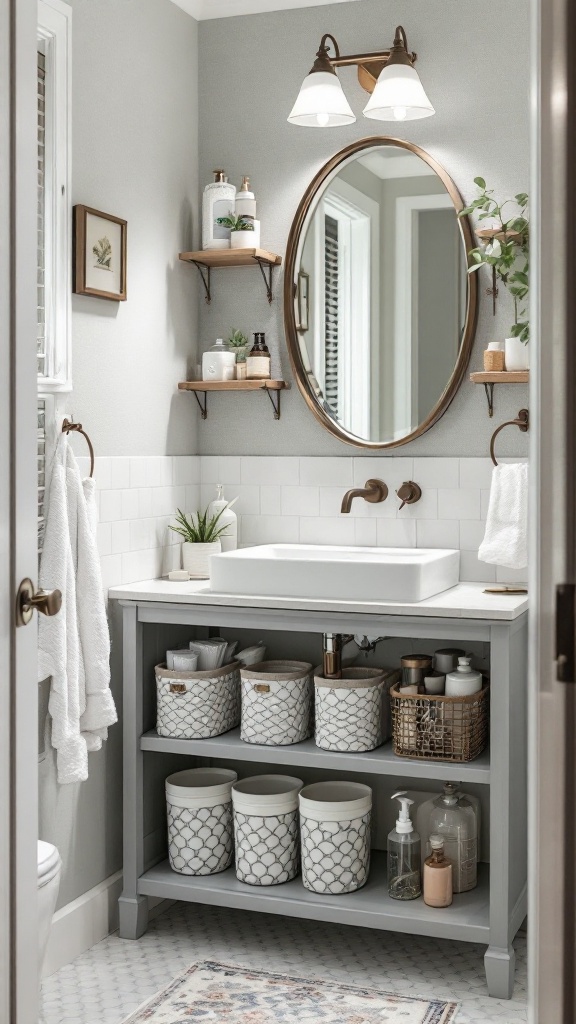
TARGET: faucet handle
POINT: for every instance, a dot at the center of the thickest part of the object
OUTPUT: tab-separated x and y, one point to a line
409	493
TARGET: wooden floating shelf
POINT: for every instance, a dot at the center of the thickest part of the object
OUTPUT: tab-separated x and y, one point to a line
501	377
491	377
206	260
271	387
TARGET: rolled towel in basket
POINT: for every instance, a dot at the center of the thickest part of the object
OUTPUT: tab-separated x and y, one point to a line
506	537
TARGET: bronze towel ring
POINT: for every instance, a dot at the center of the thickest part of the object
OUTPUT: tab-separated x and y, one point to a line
67	426
523	422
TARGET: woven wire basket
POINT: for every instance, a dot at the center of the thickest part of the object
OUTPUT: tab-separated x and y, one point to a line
440	728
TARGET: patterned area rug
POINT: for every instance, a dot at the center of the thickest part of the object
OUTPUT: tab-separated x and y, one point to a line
231	995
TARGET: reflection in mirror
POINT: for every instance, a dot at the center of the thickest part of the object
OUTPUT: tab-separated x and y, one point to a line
381	295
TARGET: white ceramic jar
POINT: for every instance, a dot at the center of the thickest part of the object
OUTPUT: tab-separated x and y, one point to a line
266	829
464	681
219	362
335	836
200	833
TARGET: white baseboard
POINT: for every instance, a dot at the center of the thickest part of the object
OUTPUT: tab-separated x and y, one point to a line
87	920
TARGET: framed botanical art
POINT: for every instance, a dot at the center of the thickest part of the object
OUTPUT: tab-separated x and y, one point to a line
99	254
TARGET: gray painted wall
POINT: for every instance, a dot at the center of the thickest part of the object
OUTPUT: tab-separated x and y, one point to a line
135	154
480	127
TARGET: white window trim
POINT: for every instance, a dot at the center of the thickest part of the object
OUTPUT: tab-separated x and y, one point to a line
406	306
55	35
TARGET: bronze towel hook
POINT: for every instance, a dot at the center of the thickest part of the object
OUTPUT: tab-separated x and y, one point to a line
67	426
523	422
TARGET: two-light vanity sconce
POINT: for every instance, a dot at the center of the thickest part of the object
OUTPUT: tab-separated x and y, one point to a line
397	92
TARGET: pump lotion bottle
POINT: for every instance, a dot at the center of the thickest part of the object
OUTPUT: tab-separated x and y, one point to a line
404	855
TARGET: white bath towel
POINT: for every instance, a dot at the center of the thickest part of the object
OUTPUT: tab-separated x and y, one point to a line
74	646
506	537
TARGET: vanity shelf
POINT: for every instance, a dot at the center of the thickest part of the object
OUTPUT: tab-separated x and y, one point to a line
490	378
370	907
382	761
273	389
206	260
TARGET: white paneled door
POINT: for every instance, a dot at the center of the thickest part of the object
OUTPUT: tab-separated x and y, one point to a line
18	512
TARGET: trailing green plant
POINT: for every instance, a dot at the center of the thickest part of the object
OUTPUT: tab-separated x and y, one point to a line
199	528
237	339
508	253
236	223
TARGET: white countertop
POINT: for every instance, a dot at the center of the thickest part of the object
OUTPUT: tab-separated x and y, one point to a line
465	601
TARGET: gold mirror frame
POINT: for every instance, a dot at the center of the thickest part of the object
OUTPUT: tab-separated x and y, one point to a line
290	285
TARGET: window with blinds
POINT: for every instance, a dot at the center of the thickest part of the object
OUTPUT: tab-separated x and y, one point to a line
331	303
41	220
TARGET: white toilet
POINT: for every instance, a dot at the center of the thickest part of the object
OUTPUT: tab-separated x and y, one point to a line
49	868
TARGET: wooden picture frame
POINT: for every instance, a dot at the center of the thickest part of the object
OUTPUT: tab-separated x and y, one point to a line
99	249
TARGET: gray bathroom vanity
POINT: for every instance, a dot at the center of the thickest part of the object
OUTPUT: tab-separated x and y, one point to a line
490	914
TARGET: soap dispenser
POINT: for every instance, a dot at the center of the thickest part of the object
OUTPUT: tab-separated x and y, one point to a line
218	201
228	518
437	876
404	854
464	681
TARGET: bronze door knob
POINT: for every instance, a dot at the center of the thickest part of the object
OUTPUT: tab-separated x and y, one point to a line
48	602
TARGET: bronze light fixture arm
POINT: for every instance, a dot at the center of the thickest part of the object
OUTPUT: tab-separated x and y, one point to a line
399	54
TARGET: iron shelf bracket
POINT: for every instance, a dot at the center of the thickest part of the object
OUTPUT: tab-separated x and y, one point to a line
204	271
203	405
267	281
489	389
274	397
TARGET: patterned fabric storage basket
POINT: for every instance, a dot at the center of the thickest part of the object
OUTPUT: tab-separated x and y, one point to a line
200	833
197	705
266	829
335	831
353	713
440	728
277	702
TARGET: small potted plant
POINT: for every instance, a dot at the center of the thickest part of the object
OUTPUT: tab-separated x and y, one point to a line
239	343
201	539
241	231
505	249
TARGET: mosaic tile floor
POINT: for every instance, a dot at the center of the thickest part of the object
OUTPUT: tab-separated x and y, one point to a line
112	979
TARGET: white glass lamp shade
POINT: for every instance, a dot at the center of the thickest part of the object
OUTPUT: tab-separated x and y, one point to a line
321	102
398	96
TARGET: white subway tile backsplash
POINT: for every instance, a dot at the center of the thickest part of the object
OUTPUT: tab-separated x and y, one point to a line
268	529
110	506
436	473
120	537
472	569
326	471
476	473
321	530
120	473
396	533
438	533
459	504
300	501
506	575
257	469
290	499
471	534
270	499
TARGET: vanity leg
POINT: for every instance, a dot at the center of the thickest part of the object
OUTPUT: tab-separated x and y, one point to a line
133	908
499	965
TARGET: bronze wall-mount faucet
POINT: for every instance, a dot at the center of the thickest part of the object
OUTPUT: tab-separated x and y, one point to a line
373	491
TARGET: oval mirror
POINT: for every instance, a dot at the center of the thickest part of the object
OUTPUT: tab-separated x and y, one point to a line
379	309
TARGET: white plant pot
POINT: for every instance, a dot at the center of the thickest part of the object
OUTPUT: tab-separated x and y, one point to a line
516	354
196	558
242	240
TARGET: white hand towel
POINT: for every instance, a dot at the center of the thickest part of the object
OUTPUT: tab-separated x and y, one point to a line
506	537
100	711
75	645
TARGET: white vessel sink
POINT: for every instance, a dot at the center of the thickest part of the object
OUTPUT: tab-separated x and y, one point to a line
336	573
